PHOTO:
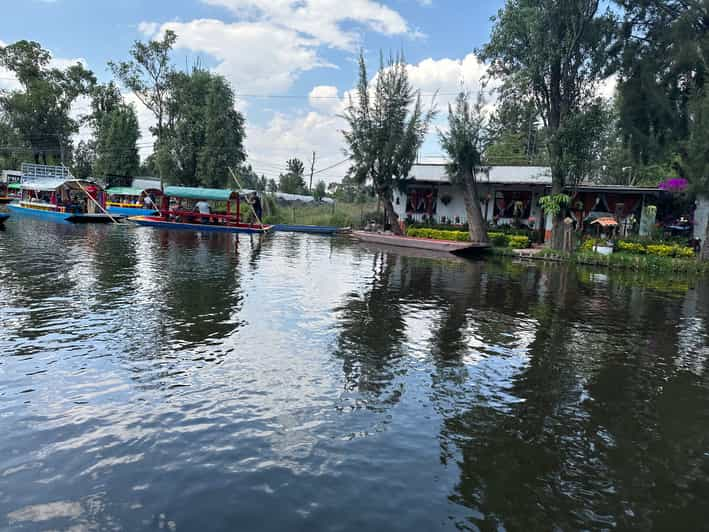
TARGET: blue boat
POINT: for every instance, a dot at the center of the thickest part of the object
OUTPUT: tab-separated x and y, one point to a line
161	223
3	217
131	201
60	198
314	229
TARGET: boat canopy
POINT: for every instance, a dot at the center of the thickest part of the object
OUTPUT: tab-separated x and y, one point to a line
124	191
51	185
207	194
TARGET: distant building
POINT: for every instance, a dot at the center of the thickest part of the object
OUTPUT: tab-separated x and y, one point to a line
510	195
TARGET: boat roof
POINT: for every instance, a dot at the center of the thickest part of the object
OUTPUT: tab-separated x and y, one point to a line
195	193
129	191
49	185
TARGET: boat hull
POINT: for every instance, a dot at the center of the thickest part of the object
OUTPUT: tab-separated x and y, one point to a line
129	211
149	221
440	246
314	229
61	216
3	217
4	200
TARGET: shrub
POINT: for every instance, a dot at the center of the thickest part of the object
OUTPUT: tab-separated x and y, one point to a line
630	247
660	250
518	241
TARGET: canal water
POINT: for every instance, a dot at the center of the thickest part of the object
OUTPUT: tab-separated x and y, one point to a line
177	381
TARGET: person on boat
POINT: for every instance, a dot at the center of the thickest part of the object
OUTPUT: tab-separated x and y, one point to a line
203	208
255	202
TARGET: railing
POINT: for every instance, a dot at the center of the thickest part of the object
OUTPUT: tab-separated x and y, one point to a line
35	172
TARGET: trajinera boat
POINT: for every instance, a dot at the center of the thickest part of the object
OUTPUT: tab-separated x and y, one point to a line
133	201
51	192
201	209
4	194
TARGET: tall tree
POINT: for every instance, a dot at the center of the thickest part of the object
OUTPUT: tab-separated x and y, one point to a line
116	133
39	113
204	132
223	136
557	52
463	143
293	181
387	125
148	74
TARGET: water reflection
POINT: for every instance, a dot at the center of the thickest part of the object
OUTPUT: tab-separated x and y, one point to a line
177	380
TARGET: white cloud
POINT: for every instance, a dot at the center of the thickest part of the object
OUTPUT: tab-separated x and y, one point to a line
325	98
255	57
148	28
297	135
321	19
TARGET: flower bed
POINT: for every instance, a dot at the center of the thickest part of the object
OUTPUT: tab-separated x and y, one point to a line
657	249
497	239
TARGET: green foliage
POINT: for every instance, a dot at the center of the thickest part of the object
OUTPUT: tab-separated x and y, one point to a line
554	53
338	215
650	248
497	239
148	74
39	113
463	144
320	191
293	181
116	133
554	203
386	127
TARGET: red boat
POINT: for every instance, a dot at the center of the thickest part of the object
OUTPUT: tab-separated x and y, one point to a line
183	208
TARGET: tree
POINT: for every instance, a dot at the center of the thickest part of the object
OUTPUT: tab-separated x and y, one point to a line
39	113
223	136
116	133
148	75
463	143
272	186
293	182
556	52
320	191
387	125
84	158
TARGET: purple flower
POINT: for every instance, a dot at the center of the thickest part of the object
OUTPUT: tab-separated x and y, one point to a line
674	185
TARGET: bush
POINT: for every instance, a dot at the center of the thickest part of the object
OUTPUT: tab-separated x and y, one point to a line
518	241
630	247
660	250
497	239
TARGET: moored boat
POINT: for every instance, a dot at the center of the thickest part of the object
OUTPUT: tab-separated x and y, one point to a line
3	217
442	246
133	201
52	193
200	209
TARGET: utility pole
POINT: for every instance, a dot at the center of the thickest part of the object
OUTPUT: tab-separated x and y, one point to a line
312	171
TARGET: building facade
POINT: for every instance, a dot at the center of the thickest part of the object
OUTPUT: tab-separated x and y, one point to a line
509	195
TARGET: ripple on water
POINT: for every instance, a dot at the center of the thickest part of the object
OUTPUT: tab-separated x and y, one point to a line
182	381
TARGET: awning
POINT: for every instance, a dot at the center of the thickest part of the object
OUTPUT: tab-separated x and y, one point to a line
124	191
605	222
207	194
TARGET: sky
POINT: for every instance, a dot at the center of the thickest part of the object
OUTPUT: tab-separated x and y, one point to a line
290	62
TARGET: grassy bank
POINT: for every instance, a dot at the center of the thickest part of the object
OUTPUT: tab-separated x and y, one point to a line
627	261
339	215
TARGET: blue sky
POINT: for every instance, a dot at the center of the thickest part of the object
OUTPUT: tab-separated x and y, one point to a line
291	61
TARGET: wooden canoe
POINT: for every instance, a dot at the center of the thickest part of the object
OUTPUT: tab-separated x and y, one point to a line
428	244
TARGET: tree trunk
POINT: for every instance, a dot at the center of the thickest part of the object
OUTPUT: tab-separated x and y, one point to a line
476	222
557	223
704	253
392	216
